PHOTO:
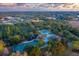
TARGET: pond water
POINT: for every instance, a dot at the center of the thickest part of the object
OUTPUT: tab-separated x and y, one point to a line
44	32
20	47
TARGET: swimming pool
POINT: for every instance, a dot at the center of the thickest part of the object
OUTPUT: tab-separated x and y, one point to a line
20	47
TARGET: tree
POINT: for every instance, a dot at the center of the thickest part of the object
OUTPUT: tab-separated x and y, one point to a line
58	49
51	44
15	39
40	42
1	46
35	51
26	36
75	44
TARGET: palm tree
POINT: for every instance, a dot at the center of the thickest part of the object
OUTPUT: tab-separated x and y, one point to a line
58	49
35	51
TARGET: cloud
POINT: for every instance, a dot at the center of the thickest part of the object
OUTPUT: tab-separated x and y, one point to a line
39	6
8	4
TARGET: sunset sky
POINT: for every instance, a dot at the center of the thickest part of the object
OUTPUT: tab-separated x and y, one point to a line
39	7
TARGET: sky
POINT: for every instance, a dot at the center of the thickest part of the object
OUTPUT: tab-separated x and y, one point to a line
39	7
